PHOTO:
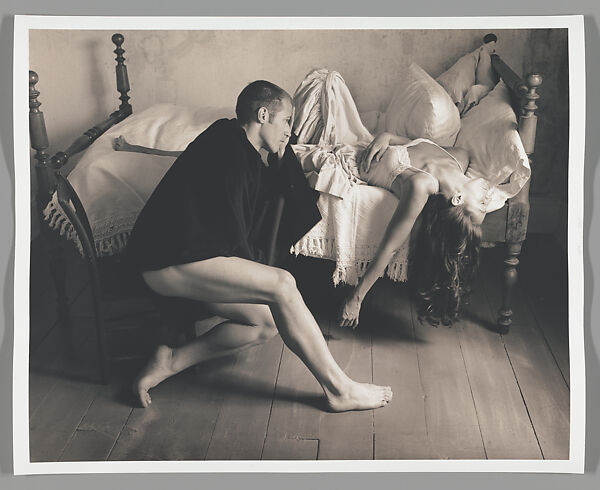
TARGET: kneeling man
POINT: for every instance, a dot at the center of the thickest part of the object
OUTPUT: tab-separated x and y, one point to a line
199	238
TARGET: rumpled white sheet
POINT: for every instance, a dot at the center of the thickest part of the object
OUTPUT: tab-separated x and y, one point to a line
355	215
114	186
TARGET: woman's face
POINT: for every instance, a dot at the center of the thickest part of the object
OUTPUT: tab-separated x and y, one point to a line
476	198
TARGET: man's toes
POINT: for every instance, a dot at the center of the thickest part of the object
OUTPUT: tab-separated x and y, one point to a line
145	399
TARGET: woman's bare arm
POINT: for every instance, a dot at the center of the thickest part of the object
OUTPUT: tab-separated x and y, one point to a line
121	144
378	146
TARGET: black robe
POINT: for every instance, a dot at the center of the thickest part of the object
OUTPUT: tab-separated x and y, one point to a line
217	200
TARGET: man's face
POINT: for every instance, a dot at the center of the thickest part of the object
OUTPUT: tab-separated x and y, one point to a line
277	128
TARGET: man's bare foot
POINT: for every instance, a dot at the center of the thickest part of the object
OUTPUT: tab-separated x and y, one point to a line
158	369
359	396
120	144
349	311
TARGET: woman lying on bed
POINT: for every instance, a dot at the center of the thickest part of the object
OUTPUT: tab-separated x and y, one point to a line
428	180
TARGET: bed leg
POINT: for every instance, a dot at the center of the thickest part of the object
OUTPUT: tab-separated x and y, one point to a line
58	267
46	183
511	261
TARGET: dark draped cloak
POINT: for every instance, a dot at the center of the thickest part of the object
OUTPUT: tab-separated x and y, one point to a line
217	199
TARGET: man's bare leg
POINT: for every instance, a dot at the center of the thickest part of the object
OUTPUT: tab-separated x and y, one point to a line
235	280
248	325
412	195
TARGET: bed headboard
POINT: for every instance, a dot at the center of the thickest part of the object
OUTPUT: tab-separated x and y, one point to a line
47	165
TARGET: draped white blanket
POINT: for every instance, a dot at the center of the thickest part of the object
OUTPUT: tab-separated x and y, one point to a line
355	215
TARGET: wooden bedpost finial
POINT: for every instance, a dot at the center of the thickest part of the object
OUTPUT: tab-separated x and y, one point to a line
33	77
37	126
528	120
534	80
118	39
490	38
489	41
39	142
33	93
121	69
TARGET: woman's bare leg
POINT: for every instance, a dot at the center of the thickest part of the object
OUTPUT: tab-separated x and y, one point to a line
234	280
412	195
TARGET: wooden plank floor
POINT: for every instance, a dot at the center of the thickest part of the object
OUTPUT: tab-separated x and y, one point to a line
464	392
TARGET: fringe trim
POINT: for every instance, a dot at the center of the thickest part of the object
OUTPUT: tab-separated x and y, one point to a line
315	247
347	271
105	246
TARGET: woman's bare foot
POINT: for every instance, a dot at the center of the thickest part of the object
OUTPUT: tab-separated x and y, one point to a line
120	144
359	396
349	311
158	369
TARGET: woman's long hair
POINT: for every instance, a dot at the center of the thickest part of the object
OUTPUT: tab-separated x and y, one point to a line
444	259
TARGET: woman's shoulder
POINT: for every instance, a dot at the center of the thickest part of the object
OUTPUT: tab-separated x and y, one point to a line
423	182
462	155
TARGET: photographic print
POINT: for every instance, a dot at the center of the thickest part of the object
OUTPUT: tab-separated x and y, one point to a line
312	244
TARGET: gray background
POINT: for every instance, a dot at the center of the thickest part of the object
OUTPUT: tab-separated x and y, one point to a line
591	10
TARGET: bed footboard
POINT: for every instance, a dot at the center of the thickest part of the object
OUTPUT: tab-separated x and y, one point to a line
49	180
514	228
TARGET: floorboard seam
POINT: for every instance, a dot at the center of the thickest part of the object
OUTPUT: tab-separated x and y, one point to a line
62	451
523	398
472	395
372	411
491	311
530	304
218	417
262	450
119	434
416	347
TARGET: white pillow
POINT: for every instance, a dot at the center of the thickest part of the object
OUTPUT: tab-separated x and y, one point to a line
490	134
421	108
114	186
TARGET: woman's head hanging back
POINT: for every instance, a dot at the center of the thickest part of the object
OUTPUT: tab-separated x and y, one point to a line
444	259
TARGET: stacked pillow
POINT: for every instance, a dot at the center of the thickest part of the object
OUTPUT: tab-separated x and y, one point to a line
426	108
490	134
421	108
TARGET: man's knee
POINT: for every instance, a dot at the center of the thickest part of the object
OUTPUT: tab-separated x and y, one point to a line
285	287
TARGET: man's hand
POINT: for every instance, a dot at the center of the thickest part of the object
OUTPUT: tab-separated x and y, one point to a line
375	150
